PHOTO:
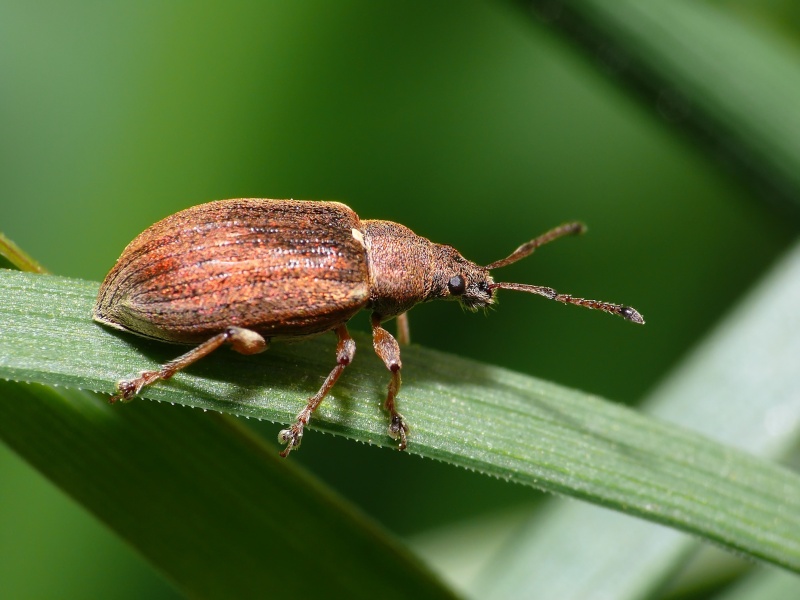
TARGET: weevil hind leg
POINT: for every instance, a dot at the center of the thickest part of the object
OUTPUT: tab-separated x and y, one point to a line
345	351
244	341
387	348
403	330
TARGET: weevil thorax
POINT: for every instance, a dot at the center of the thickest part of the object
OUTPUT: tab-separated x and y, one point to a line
406	269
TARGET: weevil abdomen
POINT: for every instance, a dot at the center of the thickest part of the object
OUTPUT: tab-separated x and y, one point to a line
281	268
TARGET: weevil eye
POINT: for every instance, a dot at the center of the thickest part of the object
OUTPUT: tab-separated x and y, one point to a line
457	285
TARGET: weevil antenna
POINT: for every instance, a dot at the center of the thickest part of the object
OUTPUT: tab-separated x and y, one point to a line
528	248
626	312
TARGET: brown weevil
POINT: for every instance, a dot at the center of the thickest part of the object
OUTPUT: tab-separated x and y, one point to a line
249	271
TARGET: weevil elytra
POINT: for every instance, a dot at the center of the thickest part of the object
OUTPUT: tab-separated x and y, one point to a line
249	271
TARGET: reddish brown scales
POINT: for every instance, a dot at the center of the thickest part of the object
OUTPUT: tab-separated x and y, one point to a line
242	272
281	268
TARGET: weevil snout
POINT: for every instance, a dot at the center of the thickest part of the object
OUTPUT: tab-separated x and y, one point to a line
472	292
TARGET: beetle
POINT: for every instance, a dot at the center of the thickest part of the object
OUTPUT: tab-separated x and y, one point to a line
247	272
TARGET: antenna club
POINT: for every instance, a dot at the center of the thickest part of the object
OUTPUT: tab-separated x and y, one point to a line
631	314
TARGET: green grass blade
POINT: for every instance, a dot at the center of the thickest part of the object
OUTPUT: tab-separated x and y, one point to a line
12	255
700	67
765	585
468	414
739	387
211	507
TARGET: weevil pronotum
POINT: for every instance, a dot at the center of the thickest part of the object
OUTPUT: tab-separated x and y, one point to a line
249	271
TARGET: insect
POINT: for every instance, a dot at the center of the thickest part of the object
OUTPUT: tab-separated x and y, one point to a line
248	272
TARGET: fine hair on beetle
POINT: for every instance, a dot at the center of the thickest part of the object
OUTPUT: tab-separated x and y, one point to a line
247	272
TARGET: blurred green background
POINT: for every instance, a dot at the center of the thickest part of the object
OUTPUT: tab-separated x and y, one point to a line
470	122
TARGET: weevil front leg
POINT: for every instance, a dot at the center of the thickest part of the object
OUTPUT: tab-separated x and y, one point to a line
389	351
345	351
242	340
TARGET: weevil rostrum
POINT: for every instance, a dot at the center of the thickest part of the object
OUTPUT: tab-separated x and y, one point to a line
251	271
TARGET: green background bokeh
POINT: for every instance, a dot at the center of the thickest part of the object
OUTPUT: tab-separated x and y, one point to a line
469	124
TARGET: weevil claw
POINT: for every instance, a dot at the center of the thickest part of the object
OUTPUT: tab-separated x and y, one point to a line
291	437
126	390
399	430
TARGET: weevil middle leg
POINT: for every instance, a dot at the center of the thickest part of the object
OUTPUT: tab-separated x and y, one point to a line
345	351
388	350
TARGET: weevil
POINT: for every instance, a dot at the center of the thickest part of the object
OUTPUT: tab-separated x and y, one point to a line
251	271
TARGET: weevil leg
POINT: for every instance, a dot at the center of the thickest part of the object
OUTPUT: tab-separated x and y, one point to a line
387	348
345	351
242	340
403	331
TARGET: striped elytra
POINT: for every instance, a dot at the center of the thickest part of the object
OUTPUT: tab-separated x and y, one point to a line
249	271
281	268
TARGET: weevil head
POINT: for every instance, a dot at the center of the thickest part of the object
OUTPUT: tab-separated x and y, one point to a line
456	278
406	269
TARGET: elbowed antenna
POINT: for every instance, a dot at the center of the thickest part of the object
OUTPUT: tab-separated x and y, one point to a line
574	228
626	312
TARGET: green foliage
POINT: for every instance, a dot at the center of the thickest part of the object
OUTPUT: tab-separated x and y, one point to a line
478	126
206	502
480	417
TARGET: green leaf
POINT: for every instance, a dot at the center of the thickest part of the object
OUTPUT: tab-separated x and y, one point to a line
764	585
697	64
17	257
468	414
740	388
213	508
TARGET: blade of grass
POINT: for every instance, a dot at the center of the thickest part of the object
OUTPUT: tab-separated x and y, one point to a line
211	507
734	86
468	414
16	257
740	388
765	585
